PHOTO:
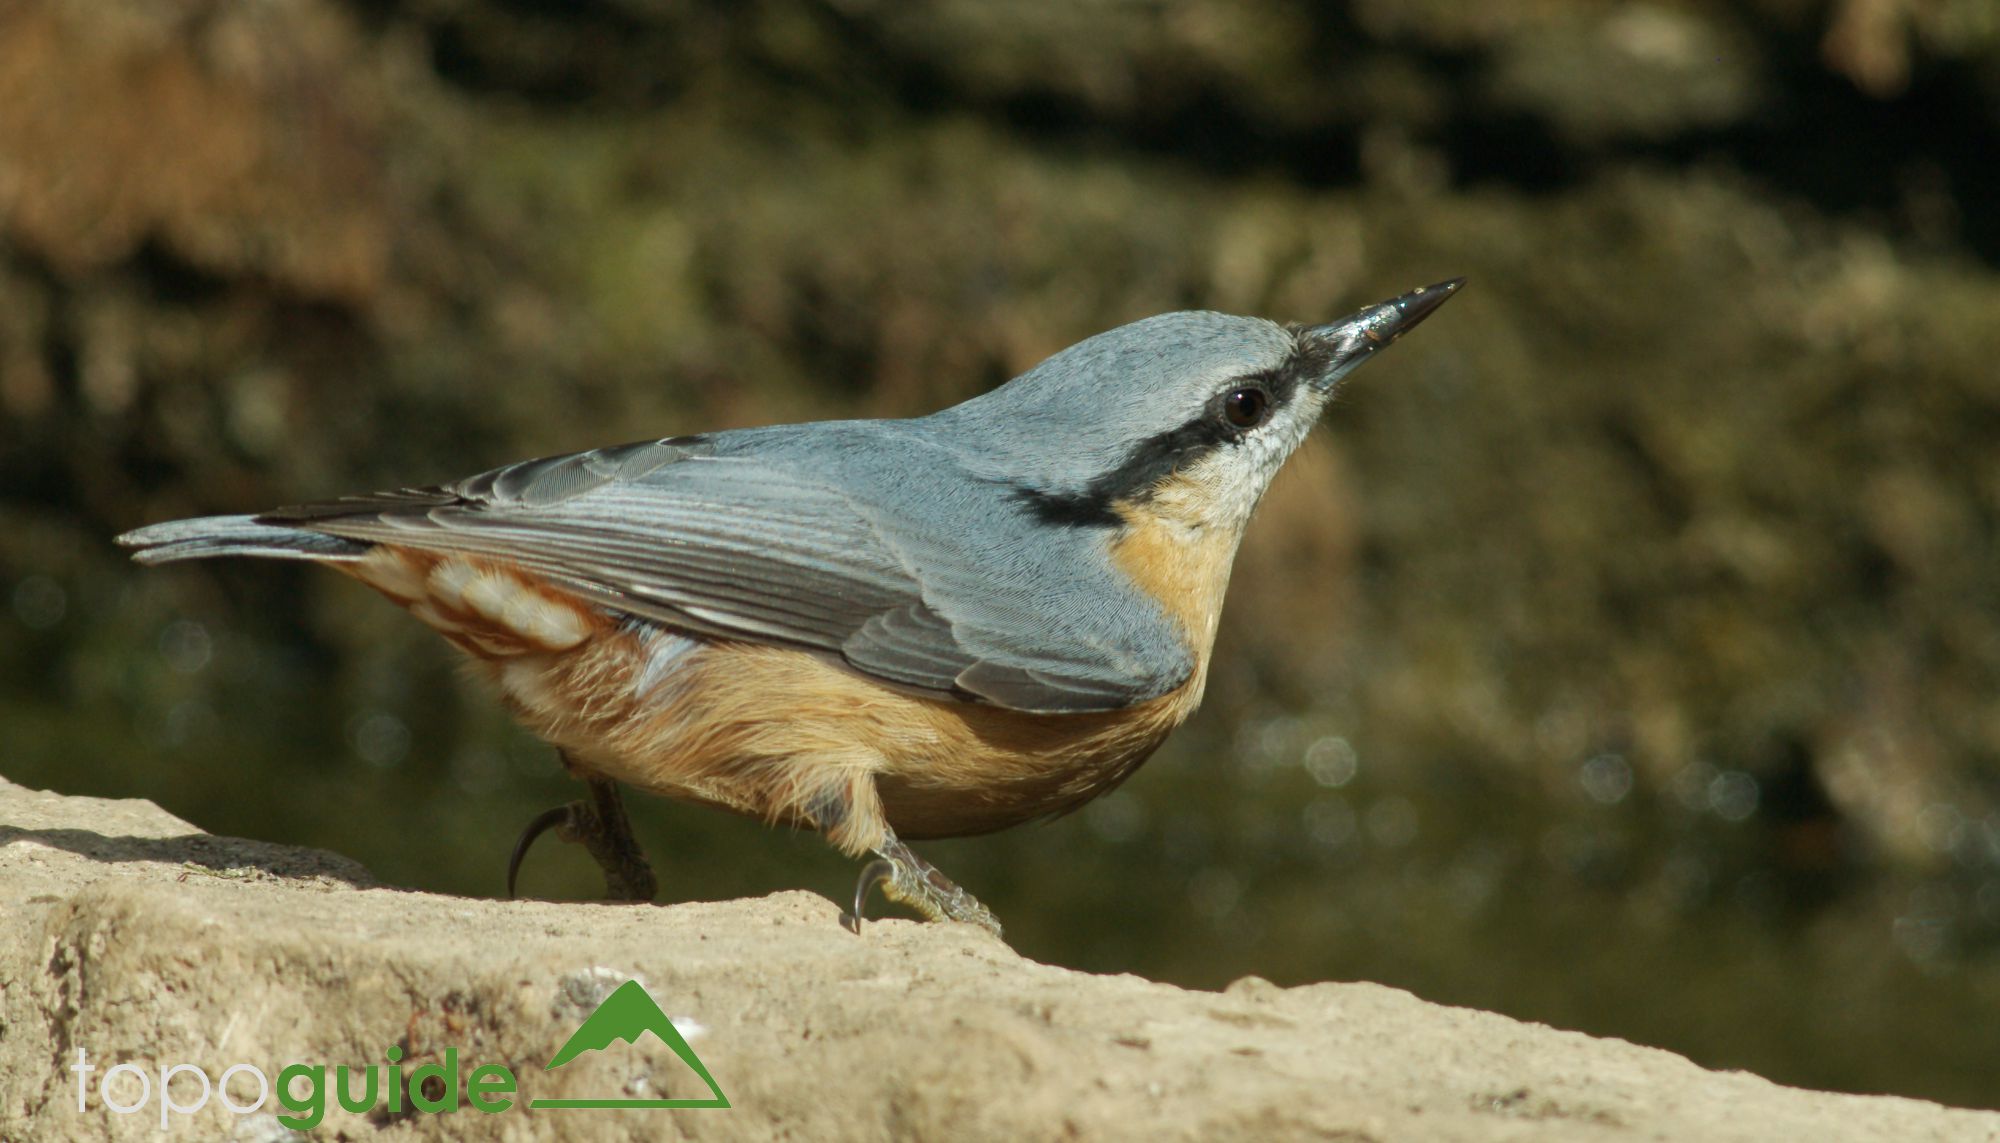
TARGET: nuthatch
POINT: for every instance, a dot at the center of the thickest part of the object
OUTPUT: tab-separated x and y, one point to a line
882	630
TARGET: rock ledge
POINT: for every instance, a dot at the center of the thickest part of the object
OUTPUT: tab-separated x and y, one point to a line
141	941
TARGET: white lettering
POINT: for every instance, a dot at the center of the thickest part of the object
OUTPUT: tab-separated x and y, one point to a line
145	1088
83	1067
167	1104
263	1089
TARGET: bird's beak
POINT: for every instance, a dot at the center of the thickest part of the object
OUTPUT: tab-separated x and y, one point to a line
1356	337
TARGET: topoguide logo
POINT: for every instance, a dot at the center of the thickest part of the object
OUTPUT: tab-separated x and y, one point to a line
304	1090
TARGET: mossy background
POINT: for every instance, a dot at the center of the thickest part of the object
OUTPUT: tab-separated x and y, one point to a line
1625	654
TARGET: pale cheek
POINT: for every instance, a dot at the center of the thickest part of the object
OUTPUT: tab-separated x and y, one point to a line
1267	454
1221	494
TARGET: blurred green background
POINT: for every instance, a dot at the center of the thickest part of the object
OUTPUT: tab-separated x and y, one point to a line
1623	655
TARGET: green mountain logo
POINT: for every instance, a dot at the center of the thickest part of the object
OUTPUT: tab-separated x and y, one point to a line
626	1015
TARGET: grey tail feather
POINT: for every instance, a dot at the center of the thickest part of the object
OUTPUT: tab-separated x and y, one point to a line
235	536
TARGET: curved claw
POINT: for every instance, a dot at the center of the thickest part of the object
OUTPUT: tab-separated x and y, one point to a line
543	823
880	871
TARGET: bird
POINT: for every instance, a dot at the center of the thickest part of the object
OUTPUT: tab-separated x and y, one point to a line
882	630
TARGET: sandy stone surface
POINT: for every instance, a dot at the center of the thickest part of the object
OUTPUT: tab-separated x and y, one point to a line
129	934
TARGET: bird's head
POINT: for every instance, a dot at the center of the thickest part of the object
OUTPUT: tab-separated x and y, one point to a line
1192	411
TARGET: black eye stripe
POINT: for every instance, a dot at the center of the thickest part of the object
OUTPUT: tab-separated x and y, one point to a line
1151	460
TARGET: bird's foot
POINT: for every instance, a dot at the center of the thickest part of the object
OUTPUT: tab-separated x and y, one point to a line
598	824
910	879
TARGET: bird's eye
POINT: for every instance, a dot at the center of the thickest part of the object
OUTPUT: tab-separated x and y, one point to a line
1247	407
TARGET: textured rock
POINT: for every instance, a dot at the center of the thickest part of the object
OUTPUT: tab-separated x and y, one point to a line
133	936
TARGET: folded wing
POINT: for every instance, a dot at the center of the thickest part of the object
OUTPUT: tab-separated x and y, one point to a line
732	544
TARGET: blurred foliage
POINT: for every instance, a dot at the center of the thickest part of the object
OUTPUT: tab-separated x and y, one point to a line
1623	656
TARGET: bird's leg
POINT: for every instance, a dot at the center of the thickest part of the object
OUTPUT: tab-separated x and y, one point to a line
848	811
600	825
910	879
